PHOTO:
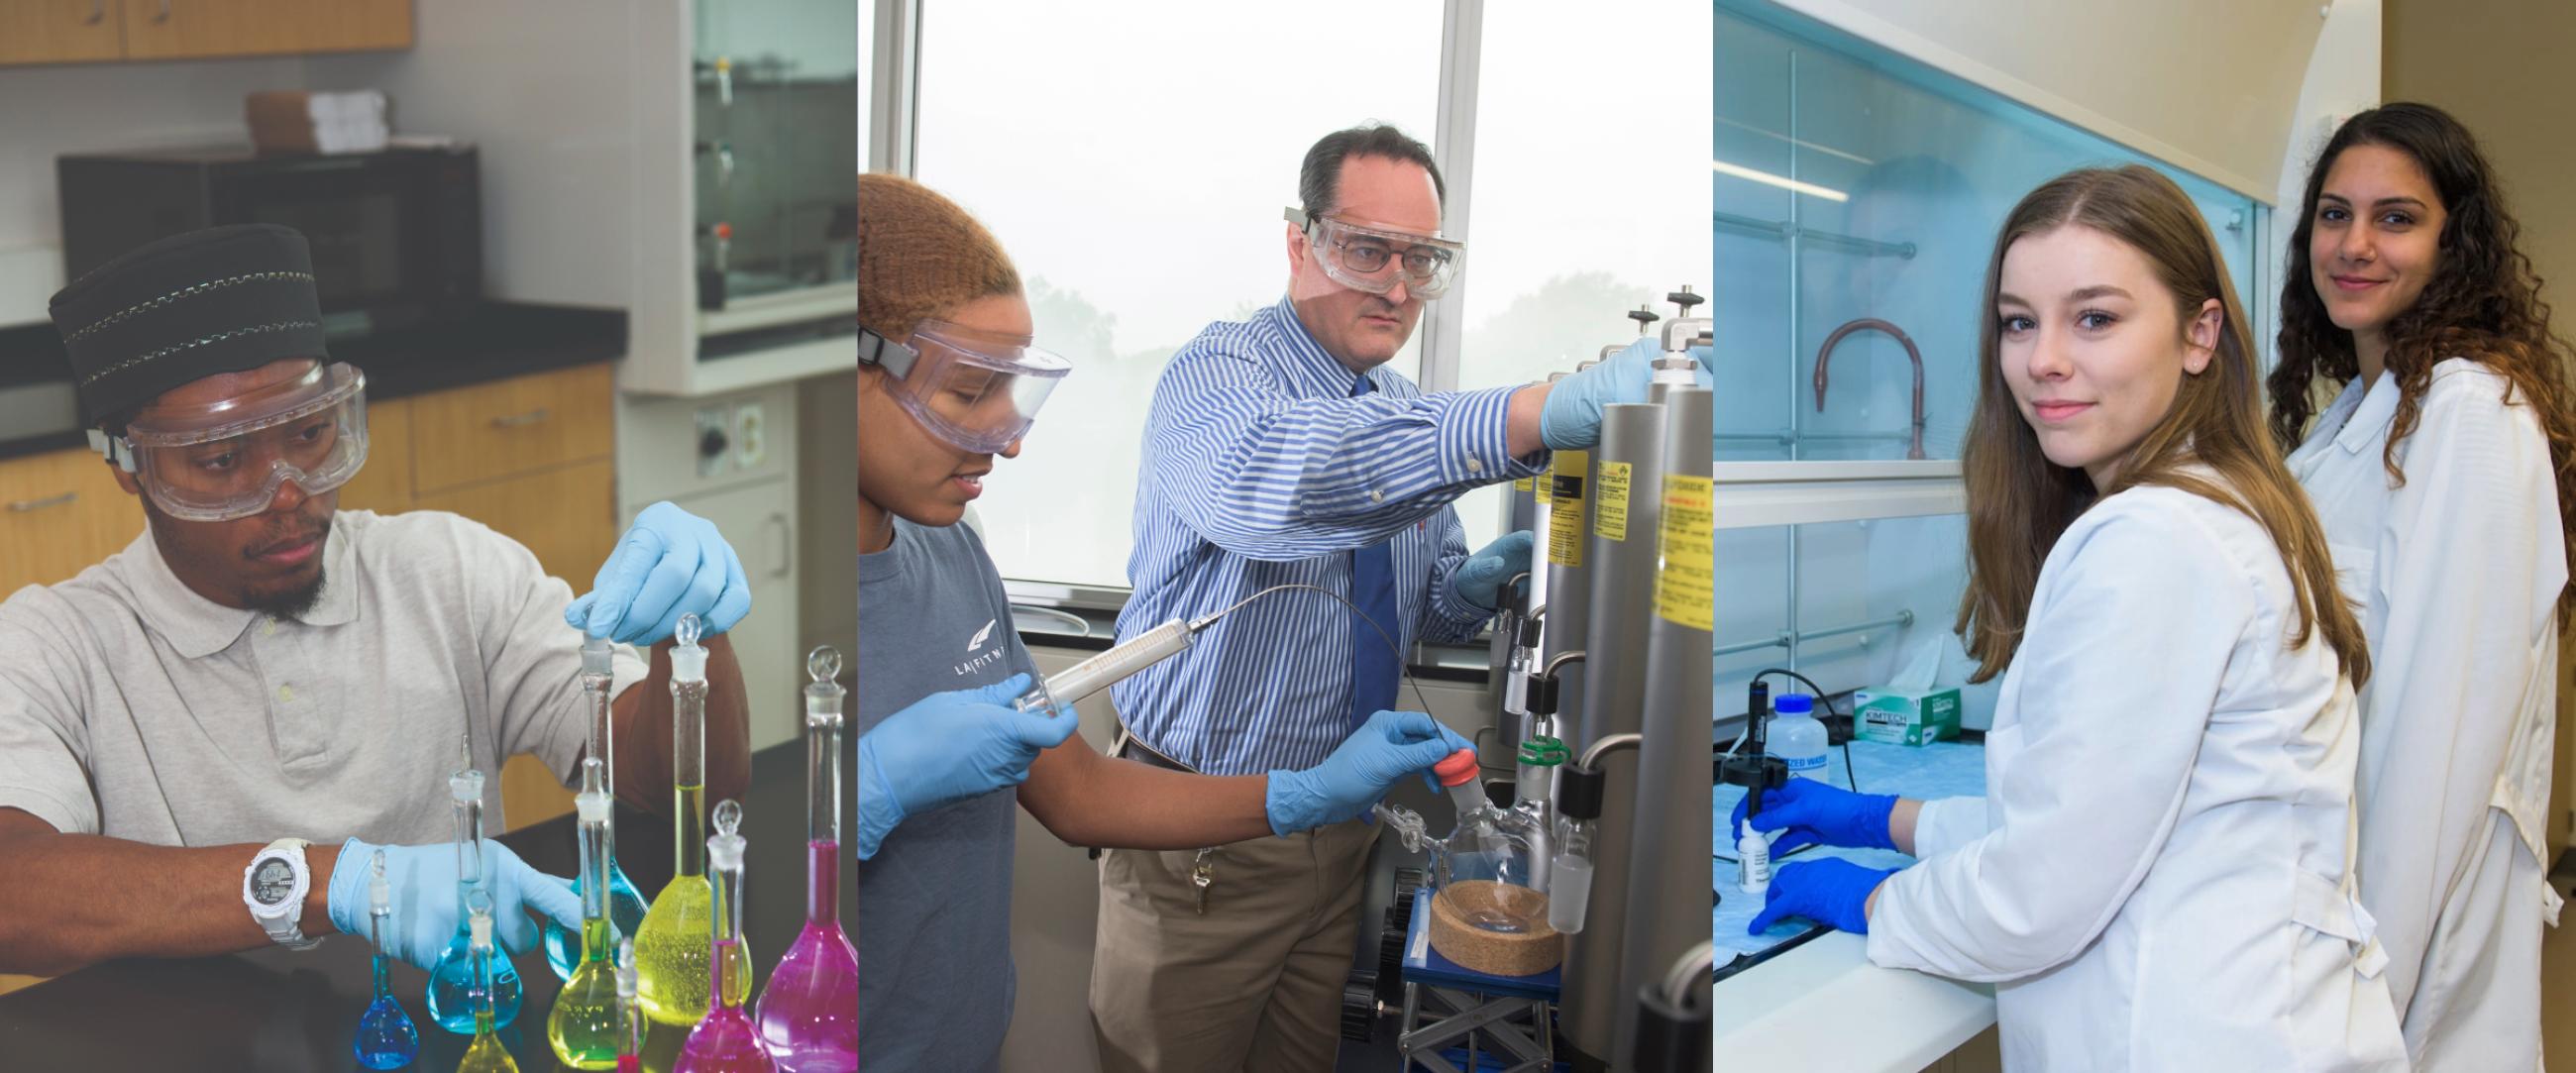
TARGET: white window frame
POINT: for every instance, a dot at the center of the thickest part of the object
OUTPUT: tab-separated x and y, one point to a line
893	112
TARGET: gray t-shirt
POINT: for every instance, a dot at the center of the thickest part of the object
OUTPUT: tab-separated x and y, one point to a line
134	708
935	979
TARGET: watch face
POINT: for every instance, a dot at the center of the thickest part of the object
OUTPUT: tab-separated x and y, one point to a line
272	881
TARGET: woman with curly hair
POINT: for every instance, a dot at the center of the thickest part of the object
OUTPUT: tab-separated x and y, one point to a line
2445	474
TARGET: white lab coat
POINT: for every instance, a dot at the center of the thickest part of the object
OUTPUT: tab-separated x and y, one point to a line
2456	576
2156	878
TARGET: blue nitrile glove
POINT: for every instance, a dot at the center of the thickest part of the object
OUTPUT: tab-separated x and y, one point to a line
1571	419
1390	746
422	883
948	747
1479	580
1830	891
670	563
1811	812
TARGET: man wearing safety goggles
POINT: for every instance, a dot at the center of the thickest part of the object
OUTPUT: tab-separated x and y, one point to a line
948	380
205	740
1278	451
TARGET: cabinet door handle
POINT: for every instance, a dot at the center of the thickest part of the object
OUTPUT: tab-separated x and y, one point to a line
22	506
97	12
524	420
162	15
786	544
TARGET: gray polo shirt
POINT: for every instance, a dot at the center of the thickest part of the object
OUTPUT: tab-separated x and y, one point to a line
134	708
935	975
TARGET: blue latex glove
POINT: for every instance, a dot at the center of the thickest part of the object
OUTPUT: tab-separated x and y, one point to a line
670	563
422	882
1390	746
1831	891
948	747
1479	580
1571	419
1811	813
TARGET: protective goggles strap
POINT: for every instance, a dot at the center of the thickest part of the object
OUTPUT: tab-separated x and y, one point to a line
884	353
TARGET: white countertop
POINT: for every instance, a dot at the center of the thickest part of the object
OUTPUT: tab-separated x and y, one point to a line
1823	1006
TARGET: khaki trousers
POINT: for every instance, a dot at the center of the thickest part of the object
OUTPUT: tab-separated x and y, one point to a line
1254	983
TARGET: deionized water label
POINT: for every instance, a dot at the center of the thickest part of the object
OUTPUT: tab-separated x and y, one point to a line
1808	767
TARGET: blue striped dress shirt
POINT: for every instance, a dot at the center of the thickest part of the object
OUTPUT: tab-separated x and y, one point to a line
1260	468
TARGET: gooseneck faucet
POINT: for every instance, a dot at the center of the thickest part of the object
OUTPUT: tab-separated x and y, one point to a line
1826	352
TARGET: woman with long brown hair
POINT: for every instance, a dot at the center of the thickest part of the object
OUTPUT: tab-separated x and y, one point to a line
2159	874
2444	478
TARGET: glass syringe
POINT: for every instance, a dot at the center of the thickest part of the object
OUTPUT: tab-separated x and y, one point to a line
671	946
453	984
809	1015
626	904
1064	689
725	1042
386	1038
583	1027
486	1054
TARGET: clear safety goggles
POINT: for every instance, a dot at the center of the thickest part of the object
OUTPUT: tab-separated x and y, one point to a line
1375	260
227	459
977	391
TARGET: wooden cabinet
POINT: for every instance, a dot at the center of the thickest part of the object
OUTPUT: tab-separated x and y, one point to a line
383	485
191	29
89	31
568	515
515	426
59	513
60	31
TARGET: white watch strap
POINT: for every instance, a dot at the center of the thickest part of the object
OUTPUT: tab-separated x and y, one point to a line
285	928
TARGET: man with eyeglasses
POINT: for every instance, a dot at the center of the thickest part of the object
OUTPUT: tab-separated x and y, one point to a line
1278	451
206	739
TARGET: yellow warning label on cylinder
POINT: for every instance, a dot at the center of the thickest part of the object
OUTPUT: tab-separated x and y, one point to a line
1686	589
1521	485
1610	502
1565	508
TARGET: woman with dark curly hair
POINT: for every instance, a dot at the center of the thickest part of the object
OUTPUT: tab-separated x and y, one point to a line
2444	477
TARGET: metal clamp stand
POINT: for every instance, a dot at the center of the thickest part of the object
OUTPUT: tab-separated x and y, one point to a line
1753	767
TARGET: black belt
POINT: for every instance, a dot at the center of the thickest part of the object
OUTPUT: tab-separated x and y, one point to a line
1138	752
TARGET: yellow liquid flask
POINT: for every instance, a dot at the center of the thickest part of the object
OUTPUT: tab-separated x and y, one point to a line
583	1029
485	1054
672	948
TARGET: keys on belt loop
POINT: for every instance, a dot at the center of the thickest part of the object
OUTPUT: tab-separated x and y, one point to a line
1203	873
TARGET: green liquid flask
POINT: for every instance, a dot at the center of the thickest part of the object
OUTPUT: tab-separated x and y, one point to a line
583	1028
485	1054
625	904
672	948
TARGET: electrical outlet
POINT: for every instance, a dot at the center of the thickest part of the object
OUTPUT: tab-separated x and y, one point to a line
715	441
750	436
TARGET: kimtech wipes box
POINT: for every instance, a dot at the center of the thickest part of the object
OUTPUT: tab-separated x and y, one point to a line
1906	716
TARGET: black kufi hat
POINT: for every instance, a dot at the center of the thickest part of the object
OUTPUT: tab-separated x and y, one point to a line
185	308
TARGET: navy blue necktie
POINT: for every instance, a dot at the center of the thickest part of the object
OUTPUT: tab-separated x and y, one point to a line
1374	658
